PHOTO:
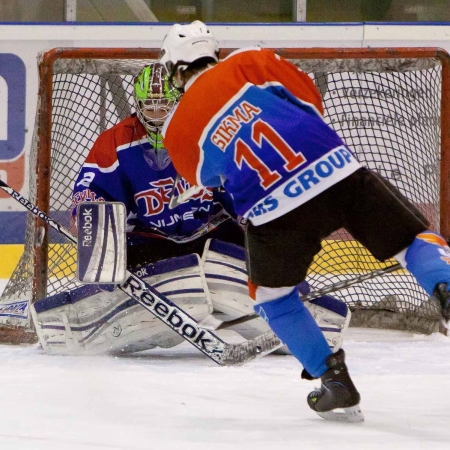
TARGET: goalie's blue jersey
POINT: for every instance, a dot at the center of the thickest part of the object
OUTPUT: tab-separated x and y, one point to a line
116	170
253	123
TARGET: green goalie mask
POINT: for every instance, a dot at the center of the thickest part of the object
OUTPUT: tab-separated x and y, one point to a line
155	98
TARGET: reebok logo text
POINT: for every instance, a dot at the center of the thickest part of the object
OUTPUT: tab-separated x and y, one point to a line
167	313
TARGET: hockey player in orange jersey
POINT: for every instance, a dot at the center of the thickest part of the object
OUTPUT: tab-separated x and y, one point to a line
253	123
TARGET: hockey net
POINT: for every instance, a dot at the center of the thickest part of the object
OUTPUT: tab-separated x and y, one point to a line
387	104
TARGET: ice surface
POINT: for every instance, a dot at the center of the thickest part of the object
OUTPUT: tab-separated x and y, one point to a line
178	399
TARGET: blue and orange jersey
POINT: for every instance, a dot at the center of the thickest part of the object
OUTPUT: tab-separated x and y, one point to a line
253	123
116	170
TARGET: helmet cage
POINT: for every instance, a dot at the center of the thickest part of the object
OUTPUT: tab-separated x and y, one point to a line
154	112
155	97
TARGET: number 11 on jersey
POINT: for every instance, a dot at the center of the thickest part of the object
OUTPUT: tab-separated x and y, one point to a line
262	130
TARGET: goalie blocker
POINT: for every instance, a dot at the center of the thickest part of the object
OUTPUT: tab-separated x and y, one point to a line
101	247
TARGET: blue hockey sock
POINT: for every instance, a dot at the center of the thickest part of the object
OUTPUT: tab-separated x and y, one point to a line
428	259
294	325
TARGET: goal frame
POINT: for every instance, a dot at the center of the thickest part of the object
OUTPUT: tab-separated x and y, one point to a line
44	121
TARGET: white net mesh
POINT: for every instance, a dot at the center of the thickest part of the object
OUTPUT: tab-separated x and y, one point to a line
387	110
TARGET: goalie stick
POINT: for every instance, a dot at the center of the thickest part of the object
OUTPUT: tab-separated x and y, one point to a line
212	323
172	315
213	222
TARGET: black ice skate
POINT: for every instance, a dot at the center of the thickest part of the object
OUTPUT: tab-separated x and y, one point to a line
336	393
443	295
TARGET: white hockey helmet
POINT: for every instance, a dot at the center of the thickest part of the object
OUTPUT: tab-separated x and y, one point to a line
185	44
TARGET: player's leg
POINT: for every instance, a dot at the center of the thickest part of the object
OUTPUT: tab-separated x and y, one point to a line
390	226
290	244
331	314
226	276
428	259
292	323
290	320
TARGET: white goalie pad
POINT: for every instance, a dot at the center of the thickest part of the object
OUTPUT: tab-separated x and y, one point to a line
89	320
333	317
226	276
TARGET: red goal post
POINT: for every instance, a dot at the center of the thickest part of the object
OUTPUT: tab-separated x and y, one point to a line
391	106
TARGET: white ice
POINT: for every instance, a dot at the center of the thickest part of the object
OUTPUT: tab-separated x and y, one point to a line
178	399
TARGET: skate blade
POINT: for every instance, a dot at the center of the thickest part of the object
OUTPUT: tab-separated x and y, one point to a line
349	415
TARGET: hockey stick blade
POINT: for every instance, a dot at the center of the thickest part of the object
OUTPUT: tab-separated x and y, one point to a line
213	222
168	312
212	323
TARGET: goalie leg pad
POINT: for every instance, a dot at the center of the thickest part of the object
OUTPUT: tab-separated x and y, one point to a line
226	276
90	320
333	317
